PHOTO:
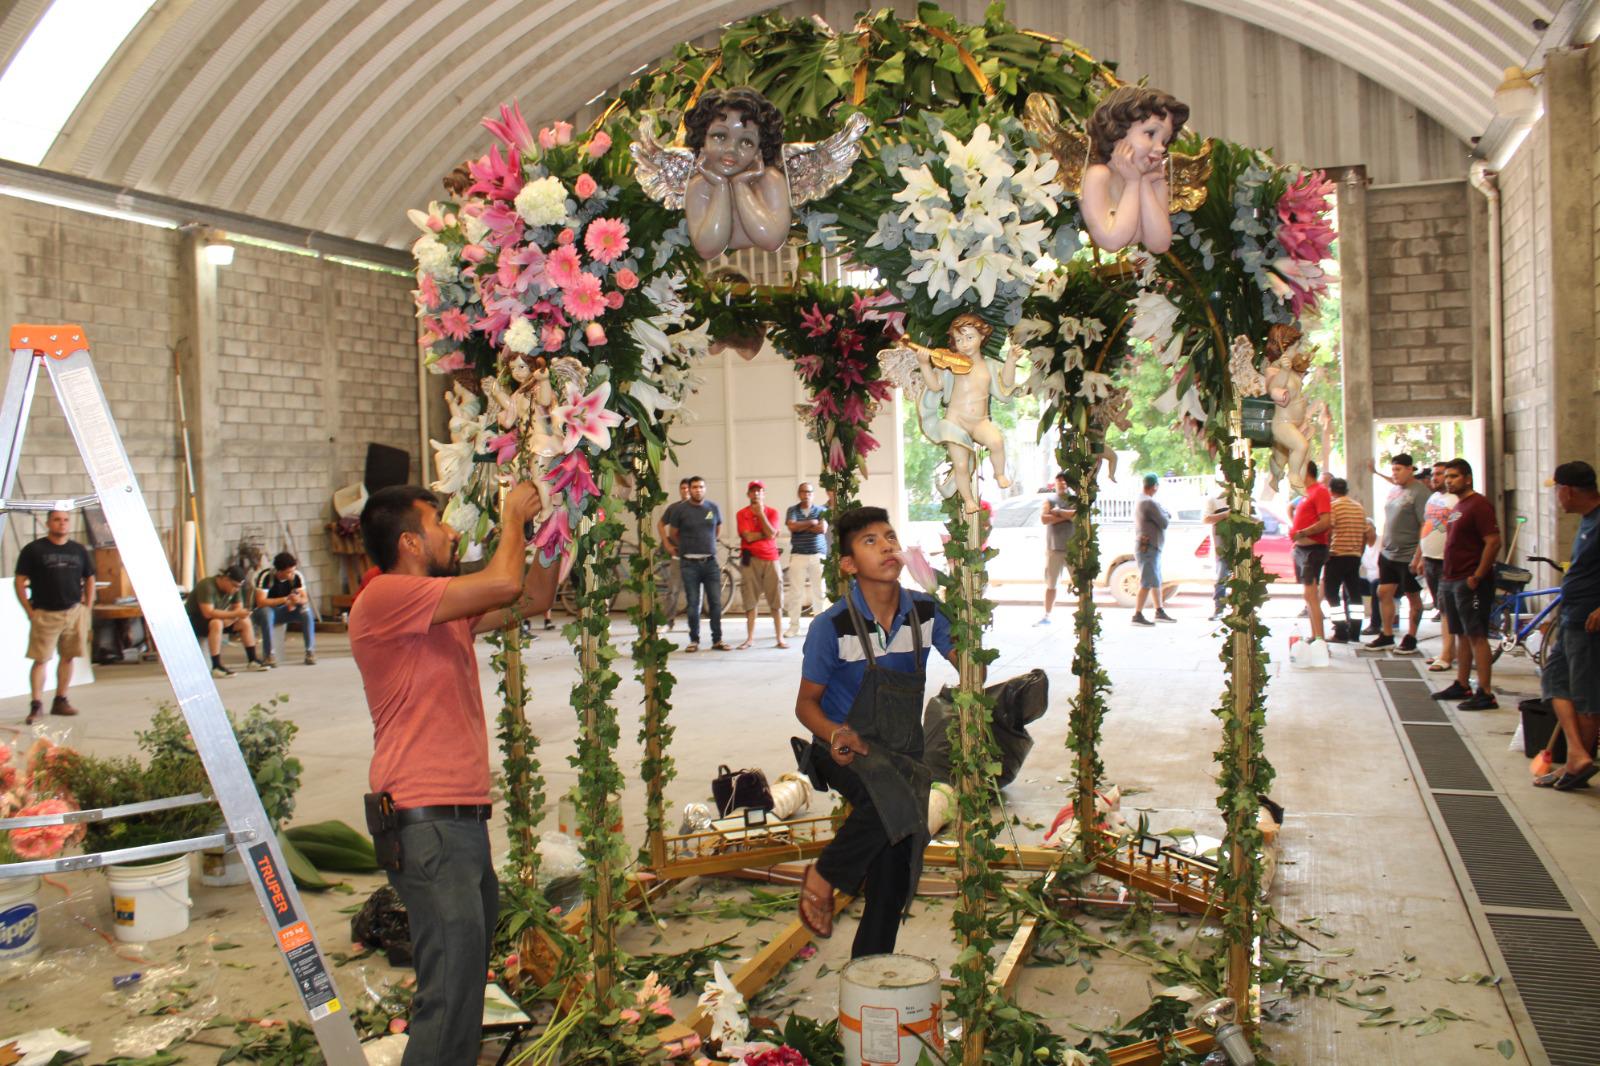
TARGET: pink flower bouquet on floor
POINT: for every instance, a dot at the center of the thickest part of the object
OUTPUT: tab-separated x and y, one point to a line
26	790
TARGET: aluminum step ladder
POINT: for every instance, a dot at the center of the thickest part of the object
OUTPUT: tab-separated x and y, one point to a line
63	353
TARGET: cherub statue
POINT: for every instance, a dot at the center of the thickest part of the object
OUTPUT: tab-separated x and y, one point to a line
1127	182
736	180
506	408
1247	380
962	382
453	461
541	443
1285	387
1111	410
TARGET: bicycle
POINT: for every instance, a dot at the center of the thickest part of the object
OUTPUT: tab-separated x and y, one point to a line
667	590
1532	639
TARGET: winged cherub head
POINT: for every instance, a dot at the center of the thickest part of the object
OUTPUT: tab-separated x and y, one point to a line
1151	118
969	333
730	127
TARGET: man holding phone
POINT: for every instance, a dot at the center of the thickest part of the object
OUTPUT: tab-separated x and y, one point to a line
280	596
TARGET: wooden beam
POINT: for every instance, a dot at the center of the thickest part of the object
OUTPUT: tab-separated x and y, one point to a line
753	976
1149	1052
1010	968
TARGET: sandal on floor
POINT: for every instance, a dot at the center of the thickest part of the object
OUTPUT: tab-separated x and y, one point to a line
824	904
1548	780
1439	666
721	645
747	644
691	648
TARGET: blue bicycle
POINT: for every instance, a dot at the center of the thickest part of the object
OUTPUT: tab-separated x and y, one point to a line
1507	630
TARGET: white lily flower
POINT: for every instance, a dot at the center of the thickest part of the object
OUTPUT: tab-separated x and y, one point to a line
937	223
1073	358
920	185
932	269
652	340
1026	238
1036	182
1052	284
984	269
980	155
654	399
1096	386
1153	318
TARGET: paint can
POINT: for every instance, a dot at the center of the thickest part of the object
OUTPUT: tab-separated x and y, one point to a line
889	1010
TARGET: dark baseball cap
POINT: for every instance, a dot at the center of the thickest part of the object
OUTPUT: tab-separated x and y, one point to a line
1574	475
234	573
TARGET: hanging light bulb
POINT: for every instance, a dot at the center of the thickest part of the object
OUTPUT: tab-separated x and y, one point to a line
1517	98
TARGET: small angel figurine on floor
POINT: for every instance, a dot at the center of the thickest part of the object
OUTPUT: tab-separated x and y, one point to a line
1125	197
953	390
736	180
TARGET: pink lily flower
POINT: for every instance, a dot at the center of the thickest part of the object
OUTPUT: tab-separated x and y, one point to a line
505	225
865	442
504	447
879	390
915	560
586	418
854	410
825	406
815	323
849	342
836	459
554	535
501	310
572	476
849	372
521	268
497	178
512	130
808	366
551	310
456	360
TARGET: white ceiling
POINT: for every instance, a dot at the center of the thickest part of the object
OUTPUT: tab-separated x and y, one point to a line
338	114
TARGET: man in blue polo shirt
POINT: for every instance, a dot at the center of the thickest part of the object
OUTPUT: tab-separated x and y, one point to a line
861	690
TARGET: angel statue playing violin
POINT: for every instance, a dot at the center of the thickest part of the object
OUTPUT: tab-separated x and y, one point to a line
952	390
736	180
1128	182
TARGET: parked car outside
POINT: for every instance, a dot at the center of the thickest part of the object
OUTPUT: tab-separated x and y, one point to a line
1275	548
1019	538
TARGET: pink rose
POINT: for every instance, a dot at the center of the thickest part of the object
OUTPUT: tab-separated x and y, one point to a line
566	236
627	279
547	138
563	132
613	300
594	334
585	186
599	144
552	338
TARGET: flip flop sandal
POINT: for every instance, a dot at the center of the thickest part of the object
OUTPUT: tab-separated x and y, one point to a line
1548	780
1573	782
1439	666
691	648
823	904
721	645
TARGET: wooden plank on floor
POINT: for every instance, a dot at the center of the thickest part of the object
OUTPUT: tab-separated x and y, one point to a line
753	976
1148	1052
1010	968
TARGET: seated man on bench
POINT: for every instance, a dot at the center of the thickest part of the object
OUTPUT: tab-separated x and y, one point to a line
280	596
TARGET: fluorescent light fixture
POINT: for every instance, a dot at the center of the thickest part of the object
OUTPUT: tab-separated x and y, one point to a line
48	77
86	206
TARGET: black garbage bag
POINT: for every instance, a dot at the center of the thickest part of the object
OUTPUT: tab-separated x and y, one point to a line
1019	701
382	923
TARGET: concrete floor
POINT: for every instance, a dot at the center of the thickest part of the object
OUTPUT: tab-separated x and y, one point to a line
1358	852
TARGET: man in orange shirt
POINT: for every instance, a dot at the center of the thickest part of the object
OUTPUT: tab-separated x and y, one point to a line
758	563
1347	539
411	633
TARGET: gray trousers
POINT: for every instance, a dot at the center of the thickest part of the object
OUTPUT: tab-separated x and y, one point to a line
453	902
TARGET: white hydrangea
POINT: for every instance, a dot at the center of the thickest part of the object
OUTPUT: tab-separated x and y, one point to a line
521	337
434	258
473	228
543	202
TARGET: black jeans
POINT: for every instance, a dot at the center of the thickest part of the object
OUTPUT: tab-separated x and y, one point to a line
453	902
698	574
860	860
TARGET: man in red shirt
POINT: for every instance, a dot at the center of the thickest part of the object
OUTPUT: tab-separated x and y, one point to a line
411	633
758	562
1471	544
1313	521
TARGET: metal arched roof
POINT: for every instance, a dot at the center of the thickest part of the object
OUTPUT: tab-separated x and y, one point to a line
337	114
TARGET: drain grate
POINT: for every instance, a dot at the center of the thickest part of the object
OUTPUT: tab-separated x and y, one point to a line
1556	967
1396	668
1502	866
1446	763
1414	702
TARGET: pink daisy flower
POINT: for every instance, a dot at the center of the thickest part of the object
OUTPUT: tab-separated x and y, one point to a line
606	239
582	299
453	324
563	267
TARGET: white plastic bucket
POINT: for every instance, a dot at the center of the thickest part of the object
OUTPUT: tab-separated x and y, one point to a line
19	919
150	902
222	868
889	1010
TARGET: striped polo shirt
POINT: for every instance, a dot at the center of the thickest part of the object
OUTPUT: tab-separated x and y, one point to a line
834	657
1349	533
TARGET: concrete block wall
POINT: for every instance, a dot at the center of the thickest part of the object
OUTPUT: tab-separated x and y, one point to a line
1526	317
275	440
314	359
1420	300
119	280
